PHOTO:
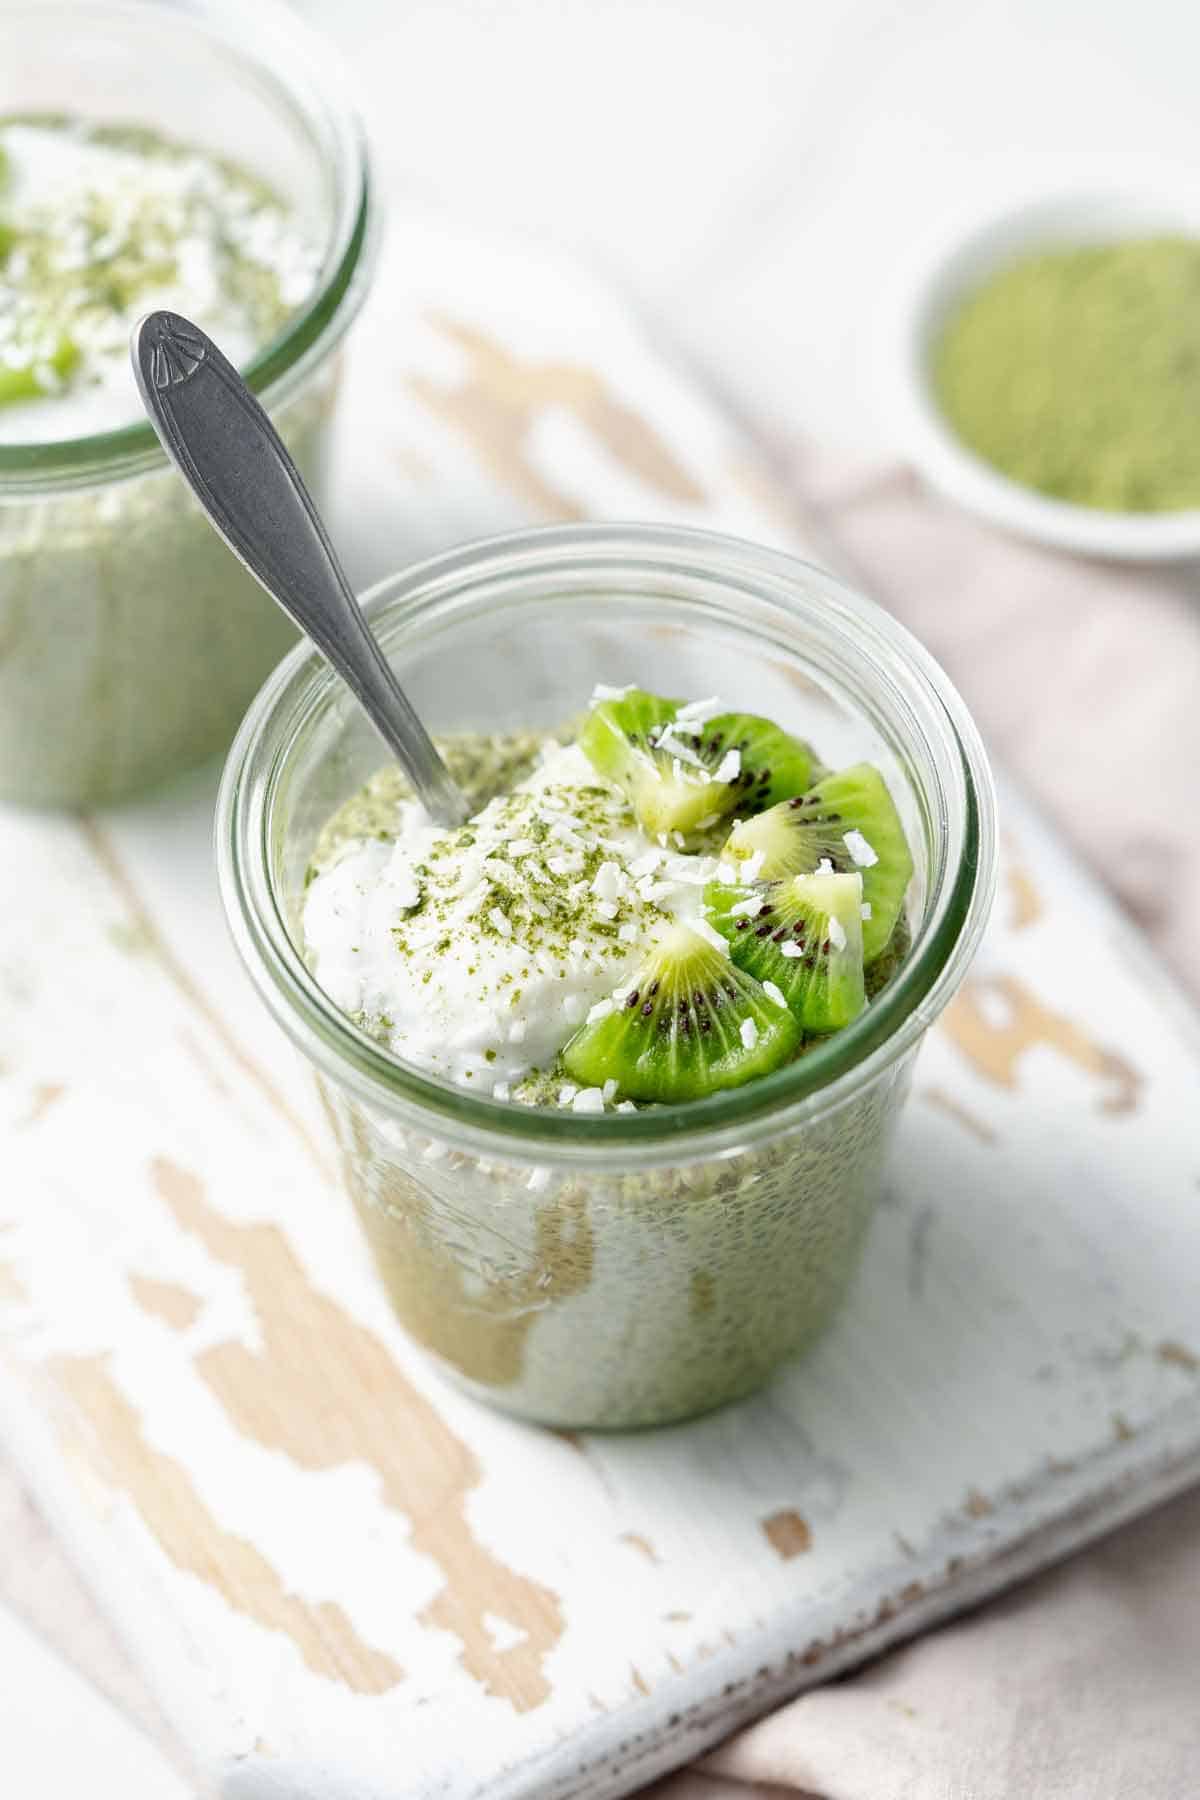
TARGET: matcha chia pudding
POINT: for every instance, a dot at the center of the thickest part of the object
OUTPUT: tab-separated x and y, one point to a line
130	640
612	1067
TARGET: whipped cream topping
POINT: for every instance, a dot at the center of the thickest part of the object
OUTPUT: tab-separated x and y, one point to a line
475	954
95	231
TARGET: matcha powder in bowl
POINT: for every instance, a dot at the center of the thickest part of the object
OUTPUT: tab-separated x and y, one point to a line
1076	371
1045	356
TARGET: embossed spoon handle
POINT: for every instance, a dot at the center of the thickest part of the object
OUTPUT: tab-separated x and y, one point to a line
231	456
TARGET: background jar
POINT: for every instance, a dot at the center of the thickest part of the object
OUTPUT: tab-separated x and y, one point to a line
130	639
634	1268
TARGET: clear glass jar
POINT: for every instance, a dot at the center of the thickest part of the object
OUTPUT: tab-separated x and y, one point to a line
633	1268
130	639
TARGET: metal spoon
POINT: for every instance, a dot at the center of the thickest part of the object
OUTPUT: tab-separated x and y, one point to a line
230	455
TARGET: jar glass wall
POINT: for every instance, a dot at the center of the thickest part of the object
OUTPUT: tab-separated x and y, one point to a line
640	1267
130	639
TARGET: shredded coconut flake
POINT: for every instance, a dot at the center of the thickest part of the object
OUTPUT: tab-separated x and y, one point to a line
865	909
500	1090
729	767
498	919
567	1093
608	882
600	1011
790	950
749	1033
773	993
610	1092
602	691
689	869
588	1100
496	869
859	849
626	1106
628	933
608	909
837	935
752	905
645	864
752	867
699	712
703	929
679	752
726	873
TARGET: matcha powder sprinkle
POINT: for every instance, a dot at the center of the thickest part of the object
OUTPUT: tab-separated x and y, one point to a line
1077	372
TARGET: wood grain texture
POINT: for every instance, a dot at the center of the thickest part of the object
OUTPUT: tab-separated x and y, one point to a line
339	1576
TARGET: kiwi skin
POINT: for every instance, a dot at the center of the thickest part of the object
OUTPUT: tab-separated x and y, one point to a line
675	1032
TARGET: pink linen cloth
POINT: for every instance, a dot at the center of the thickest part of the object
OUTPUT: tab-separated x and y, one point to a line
1084	1684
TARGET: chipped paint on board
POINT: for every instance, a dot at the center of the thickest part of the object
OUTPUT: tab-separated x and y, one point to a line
1010	1270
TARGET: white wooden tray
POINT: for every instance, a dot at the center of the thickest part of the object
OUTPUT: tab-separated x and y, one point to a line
343	1580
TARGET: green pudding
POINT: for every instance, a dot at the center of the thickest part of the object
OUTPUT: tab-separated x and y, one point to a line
616	927
130	639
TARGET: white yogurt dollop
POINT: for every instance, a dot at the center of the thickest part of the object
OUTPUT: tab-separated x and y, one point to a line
475	954
104	231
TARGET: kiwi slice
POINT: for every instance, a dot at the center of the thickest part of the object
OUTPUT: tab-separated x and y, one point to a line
684	771
848	821
688	1023
619	739
804	934
771	764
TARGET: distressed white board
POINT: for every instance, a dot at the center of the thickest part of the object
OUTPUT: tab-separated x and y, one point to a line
339	1577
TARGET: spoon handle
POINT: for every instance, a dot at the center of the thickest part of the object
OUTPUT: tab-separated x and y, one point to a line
232	458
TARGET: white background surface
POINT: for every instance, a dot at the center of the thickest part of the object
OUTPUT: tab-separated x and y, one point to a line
756	172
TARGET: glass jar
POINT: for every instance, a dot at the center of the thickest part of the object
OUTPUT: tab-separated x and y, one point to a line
130	639
632	1268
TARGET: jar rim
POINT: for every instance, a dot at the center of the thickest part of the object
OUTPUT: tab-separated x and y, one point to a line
721	1123
289	59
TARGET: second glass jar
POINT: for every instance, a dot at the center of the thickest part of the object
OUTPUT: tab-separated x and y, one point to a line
130	639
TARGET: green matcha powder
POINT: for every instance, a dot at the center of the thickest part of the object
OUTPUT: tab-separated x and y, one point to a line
1077	372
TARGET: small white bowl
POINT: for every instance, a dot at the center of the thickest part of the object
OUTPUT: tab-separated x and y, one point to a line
1086	213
